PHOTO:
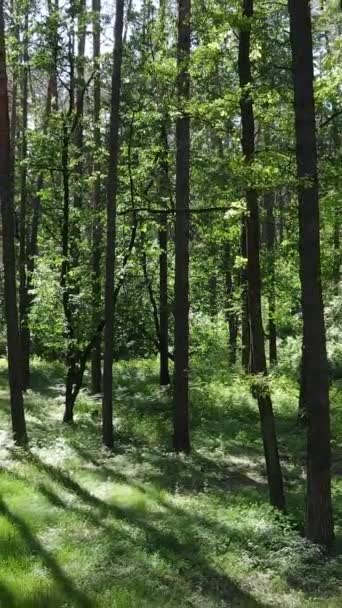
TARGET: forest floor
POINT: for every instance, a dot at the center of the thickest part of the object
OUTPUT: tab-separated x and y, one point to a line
142	528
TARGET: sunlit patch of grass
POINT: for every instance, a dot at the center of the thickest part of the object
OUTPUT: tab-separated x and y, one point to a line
141	527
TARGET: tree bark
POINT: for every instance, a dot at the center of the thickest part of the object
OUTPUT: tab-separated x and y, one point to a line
23	287
231	315
258	358
164	376
319	519
112	187
8	222
181	437
96	371
245	333
270	244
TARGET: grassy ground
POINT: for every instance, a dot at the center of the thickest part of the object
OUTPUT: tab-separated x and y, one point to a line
142	528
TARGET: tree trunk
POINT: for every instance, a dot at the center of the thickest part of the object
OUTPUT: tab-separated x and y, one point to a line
32	244
270	244
23	288
181	437
319	519
245	333
112	186
7	216
69	330
258	358
337	214
164	376
230	313
96	371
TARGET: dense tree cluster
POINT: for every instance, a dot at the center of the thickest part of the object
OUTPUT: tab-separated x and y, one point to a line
186	167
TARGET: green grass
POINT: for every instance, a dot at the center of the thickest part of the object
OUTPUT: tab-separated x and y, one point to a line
142	528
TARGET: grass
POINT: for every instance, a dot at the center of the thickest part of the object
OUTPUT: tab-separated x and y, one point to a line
142	528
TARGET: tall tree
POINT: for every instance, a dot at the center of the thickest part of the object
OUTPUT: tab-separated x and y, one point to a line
96	372
319	519
181	437
112	187
258	358
270	244
164	376
23	291
8	222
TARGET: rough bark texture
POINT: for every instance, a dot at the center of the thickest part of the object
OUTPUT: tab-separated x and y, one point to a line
112	186
7	216
181	437
319	520
258	358
96	371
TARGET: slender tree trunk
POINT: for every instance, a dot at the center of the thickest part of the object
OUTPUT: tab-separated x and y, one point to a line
270	244
319	519
164	376
7	216
69	330
245	333
23	291
337	217
13	134
51	102
112	186
181	437
230	313
258	358
96	371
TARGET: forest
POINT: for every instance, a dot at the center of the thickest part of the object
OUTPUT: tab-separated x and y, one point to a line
170	304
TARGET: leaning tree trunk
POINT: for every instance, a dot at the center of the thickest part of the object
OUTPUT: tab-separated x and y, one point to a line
96	372
112	186
258	358
7	216
319	519
181	437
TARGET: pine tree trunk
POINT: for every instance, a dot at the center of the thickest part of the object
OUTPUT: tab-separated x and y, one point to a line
181	437
319	519
112	186
96	371
7	216
258	358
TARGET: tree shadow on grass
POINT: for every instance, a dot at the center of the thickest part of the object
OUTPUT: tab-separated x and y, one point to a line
35	547
171	534
7	599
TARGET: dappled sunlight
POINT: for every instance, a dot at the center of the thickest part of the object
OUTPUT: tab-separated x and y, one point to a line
194	530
